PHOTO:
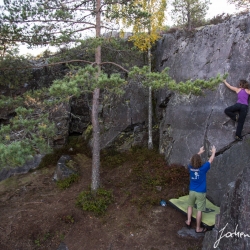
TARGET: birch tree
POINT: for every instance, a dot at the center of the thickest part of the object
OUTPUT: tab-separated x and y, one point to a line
146	31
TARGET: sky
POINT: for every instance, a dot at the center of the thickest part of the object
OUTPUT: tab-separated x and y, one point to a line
220	6
216	7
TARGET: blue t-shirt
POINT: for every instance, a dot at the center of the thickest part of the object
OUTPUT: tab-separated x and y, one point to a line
198	181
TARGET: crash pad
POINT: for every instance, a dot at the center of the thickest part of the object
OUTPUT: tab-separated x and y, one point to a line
208	216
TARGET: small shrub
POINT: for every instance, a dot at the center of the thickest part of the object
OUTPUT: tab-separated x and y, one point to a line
220	18
37	242
65	183
69	219
47	235
172	30
95	202
41	239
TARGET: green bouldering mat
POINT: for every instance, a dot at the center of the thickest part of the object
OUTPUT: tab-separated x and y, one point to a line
208	216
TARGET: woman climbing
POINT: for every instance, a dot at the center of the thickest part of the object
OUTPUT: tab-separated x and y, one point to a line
241	106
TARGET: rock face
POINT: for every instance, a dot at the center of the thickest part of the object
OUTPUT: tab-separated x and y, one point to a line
32	164
232	224
60	115
124	117
80	114
188	122
62	171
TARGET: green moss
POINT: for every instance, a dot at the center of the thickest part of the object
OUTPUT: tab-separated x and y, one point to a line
72	165
66	183
95	202
88	132
9	183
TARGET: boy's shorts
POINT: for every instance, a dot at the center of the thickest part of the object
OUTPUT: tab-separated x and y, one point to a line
199	199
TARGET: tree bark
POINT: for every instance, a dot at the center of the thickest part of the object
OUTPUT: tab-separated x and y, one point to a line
189	16
96	142
150	137
150	140
95	107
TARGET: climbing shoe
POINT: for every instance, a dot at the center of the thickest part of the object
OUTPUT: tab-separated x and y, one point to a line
237	138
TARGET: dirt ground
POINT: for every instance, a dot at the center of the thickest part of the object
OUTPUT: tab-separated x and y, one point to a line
36	214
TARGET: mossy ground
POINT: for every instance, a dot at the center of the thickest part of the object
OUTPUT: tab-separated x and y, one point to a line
36	214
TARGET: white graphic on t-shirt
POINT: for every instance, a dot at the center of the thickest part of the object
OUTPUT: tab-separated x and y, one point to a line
196	176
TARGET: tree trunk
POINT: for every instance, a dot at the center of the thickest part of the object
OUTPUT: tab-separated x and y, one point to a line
189	17
95	107
96	142
150	140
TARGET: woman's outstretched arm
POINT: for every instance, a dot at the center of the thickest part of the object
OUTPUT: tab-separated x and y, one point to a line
231	87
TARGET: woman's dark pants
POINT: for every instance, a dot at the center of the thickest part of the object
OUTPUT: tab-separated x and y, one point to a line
242	109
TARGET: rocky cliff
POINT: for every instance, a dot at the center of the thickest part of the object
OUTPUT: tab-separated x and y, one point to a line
188	122
231	230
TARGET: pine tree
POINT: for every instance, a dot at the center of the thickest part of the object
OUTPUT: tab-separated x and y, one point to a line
30	130
240	3
189	13
15	72
162	79
60	22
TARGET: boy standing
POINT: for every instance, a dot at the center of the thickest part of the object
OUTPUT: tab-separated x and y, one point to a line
198	187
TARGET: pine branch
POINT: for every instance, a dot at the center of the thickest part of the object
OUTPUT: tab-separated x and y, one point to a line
64	62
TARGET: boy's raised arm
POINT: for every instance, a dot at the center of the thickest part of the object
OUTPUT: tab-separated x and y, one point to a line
213	150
